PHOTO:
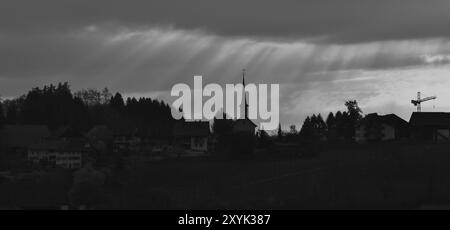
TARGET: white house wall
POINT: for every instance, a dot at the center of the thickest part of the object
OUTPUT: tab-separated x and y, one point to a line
199	144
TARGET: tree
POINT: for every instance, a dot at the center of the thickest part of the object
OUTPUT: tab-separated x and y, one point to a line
105	96
263	138
117	102
338	117
90	97
280	132
52	105
330	121
292	129
307	131
353	110
320	125
309	138
313	121
56	106
2	114
354	114
344	126
11	113
331	126
87	187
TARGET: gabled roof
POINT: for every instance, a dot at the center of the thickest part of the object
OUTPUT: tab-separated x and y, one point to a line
245	121
393	120
23	135
51	144
66	131
100	132
70	144
190	129
124	131
389	119
430	119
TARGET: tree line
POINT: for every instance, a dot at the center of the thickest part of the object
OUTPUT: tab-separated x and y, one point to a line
56	106
338	126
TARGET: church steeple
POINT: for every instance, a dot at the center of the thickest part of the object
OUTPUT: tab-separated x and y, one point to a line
245	96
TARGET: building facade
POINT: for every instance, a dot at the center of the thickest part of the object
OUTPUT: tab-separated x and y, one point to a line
430	126
374	127
192	136
60	153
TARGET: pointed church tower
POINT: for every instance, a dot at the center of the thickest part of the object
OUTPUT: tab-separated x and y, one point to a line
245	96
244	126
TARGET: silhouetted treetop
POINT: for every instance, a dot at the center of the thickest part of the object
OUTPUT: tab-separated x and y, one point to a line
56	106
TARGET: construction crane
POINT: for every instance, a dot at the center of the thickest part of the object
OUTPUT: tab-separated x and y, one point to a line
419	100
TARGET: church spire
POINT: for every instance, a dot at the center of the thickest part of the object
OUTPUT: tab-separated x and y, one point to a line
245	96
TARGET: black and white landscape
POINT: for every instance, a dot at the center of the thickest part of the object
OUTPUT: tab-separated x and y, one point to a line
86	107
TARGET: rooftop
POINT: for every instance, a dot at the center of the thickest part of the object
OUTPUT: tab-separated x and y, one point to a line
23	135
194	128
430	118
390	119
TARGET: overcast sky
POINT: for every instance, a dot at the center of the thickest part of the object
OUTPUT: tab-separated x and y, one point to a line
321	52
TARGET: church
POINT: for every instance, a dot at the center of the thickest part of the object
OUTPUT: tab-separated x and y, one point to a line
244	125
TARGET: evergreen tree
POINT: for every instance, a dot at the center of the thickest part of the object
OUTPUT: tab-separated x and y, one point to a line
56	106
280	132
11	114
117	102
330	121
321	126
2	115
307	130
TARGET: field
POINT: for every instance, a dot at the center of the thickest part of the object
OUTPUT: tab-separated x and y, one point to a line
375	176
387	176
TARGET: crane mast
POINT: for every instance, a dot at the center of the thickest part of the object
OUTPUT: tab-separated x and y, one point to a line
419	100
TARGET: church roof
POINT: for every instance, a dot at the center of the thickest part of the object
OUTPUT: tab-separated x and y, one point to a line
190	129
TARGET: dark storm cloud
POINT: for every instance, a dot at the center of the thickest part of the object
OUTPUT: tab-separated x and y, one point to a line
154	59
320	52
320	20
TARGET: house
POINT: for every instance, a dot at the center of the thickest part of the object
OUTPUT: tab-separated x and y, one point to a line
238	126
155	140
20	137
100	137
432	126
244	127
66	153
100	132
126	140
374	127
66	131
193	135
